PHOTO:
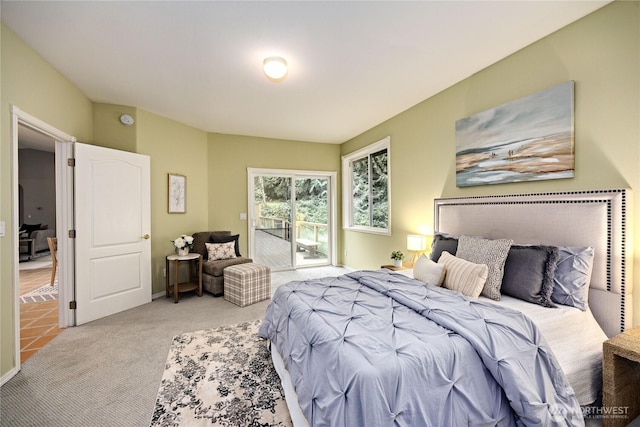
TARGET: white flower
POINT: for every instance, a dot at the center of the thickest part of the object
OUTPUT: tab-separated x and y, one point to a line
183	242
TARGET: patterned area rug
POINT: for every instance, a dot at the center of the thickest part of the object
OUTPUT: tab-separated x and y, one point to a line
221	377
43	293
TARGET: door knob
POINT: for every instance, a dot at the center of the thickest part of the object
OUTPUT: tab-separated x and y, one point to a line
146	236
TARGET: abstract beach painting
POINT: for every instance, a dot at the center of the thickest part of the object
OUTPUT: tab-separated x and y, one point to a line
529	139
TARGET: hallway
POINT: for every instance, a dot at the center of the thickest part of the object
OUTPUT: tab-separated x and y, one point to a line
38	320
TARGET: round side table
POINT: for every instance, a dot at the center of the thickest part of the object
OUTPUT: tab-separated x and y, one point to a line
194	261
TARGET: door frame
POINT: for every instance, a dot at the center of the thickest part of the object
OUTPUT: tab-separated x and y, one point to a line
333	209
64	220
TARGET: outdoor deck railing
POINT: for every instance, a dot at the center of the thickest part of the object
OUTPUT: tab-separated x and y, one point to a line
306	230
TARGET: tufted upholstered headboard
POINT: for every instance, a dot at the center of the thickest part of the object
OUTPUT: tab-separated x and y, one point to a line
583	218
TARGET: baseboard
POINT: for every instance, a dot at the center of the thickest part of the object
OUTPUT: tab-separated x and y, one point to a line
346	267
6	377
158	295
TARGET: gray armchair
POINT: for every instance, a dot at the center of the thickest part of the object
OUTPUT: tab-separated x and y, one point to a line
212	271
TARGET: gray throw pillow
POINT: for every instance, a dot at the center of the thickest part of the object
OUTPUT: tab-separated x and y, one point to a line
443	242
492	253
529	272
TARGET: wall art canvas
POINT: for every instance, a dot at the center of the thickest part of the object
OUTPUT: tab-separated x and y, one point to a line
177	193
529	139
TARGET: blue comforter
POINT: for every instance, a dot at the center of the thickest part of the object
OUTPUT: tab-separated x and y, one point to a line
376	348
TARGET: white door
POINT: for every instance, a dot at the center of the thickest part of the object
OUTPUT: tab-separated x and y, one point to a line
113	222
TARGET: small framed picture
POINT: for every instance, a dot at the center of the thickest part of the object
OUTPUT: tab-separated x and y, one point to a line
177	193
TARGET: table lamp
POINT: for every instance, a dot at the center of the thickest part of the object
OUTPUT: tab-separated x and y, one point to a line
416	243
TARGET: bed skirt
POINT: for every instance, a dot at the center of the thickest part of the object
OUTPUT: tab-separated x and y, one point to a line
297	417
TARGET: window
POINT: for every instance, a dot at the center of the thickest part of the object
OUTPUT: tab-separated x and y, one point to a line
366	189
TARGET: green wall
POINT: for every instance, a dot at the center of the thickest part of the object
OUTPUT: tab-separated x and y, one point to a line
231	155
215	165
601	53
109	132
179	149
173	147
31	84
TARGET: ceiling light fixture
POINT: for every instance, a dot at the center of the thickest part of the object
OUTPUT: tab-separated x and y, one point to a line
275	67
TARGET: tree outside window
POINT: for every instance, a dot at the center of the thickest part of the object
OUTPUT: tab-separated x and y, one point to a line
366	188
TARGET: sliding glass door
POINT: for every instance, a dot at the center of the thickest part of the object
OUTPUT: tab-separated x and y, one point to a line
272	221
291	218
312	221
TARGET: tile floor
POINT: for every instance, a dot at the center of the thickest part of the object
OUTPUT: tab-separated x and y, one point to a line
38	320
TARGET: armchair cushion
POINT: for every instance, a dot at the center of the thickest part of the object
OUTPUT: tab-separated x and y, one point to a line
215	268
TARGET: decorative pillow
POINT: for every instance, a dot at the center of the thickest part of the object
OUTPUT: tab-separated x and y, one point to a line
30	228
492	253
529	272
443	242
573	276
428	271
215	238
463	276
218	251
202	237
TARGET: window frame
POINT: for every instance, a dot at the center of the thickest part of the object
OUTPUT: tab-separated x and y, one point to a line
347	190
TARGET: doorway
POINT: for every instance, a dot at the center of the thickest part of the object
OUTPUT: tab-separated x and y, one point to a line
43	137
107	178
37	210
292	218
38	306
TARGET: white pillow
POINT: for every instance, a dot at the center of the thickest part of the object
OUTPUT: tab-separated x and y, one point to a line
218	251
463	276
428	271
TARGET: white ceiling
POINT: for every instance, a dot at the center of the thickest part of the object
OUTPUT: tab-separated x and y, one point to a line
352	64
34	140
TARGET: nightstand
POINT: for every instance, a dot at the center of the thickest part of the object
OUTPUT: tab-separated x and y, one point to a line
621	378
177	287
391	267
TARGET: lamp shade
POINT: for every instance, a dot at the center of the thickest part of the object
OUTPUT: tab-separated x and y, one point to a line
275	67
416	242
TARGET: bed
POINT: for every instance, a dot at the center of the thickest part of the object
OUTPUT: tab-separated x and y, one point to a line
381	348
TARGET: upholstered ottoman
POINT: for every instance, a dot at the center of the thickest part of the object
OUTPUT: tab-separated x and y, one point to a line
246	284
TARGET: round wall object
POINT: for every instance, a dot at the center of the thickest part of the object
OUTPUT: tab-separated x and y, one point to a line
126	120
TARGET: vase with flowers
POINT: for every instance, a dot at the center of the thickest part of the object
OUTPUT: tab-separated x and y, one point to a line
397	257
183	244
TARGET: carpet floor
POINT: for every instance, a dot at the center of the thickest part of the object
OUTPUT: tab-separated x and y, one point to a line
108	372
221	377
